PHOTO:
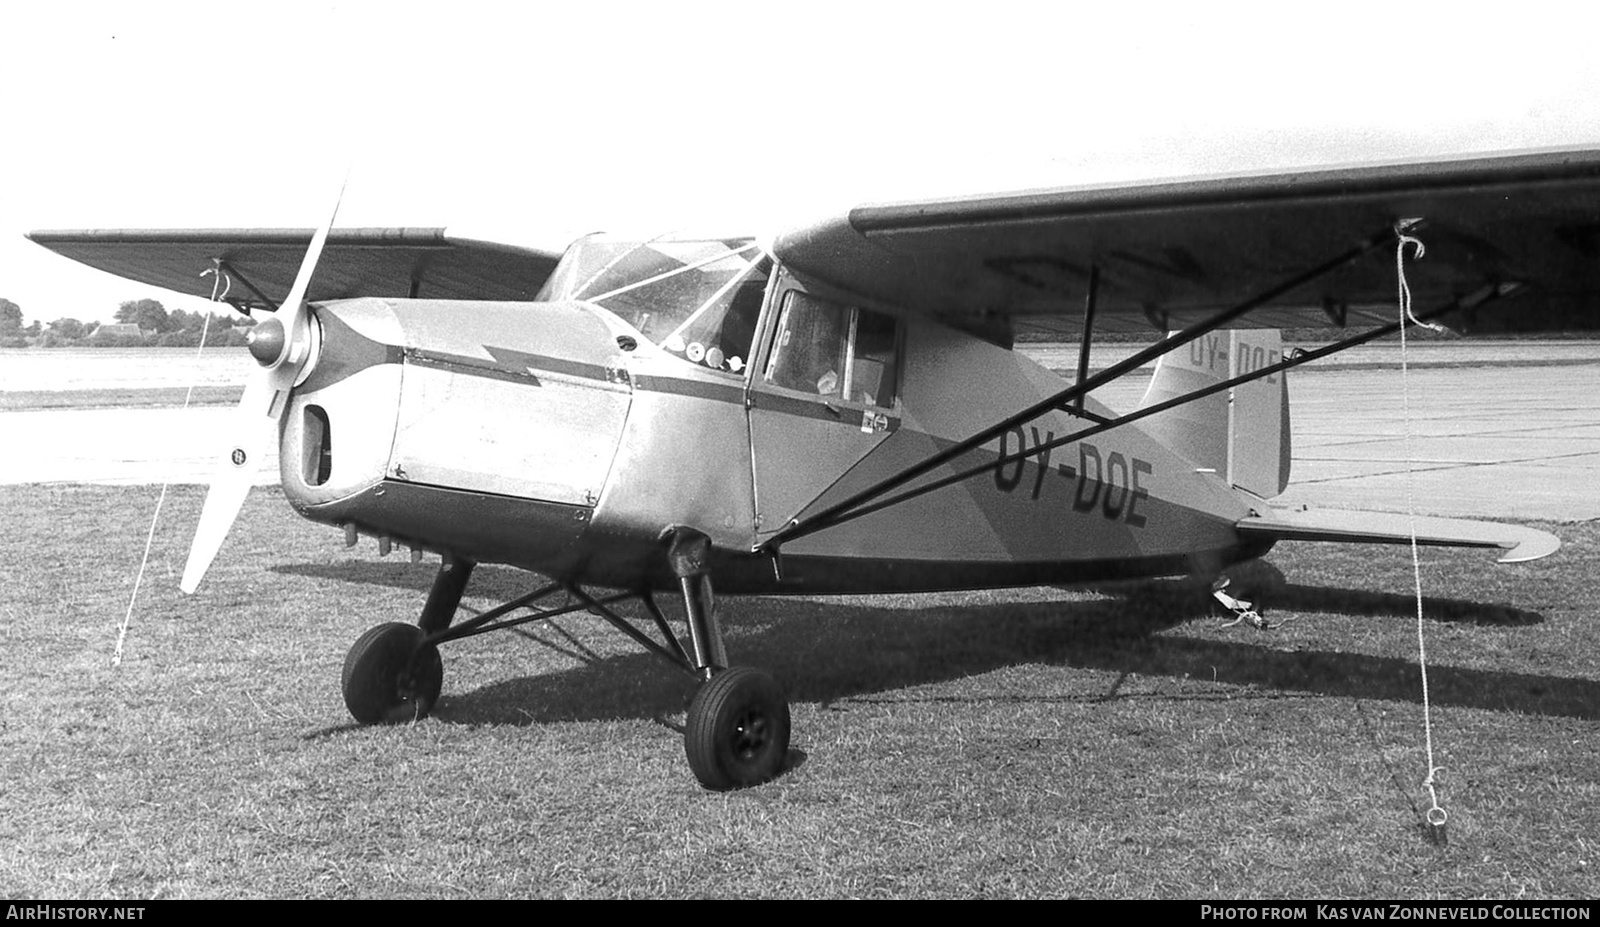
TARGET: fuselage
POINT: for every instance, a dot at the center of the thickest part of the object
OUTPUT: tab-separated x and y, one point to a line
566	436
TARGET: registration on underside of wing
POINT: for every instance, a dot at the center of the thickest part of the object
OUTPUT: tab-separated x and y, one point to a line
1356	527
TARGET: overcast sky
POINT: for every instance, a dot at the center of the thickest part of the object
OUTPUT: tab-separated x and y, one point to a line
537	122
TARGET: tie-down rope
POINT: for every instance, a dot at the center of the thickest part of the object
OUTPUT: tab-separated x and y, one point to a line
218	291
1436	815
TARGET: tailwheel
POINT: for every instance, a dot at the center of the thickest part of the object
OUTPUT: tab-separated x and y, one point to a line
737	732
390	676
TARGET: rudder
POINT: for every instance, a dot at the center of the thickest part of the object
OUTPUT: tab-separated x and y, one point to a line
1241	434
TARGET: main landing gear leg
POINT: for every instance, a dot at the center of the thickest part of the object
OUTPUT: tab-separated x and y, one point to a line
737	730
391	674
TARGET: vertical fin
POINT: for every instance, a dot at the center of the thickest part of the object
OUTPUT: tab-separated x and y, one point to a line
1241	434
1198	430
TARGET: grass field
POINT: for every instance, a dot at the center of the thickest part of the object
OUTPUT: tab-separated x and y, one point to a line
1029	743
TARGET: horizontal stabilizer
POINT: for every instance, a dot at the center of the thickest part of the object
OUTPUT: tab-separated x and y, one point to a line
1519	543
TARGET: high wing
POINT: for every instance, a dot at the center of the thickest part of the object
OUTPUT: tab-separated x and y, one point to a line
1519	543
1171	254
261	263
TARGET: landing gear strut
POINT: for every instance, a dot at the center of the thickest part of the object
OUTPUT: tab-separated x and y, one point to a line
737	730
736	733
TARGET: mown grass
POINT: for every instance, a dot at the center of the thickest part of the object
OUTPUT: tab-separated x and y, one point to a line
1027	743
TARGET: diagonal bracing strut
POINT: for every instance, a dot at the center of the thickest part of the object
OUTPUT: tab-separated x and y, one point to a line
1480	297
862	503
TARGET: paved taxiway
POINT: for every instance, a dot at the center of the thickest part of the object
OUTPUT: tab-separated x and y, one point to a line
1511	442
1516	442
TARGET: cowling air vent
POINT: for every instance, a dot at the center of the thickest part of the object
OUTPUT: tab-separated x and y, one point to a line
317	456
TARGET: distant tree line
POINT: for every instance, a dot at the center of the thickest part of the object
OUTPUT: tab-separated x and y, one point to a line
139	323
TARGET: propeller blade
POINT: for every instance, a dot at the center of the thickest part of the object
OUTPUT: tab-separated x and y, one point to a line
294	327
233	479
257	419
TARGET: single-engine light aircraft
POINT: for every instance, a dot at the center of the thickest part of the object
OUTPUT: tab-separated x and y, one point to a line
840	409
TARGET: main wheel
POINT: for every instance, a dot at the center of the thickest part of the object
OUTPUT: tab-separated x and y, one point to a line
389	676
737	733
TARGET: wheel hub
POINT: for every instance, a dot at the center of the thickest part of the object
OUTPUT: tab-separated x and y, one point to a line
750	734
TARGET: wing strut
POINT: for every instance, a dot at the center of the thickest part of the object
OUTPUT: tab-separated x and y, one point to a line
1483	296
862	503
1089	300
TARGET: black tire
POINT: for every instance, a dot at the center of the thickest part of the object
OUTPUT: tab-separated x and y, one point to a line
390	677
737	732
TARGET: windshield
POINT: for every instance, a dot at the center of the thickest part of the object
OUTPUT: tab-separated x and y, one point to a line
695	299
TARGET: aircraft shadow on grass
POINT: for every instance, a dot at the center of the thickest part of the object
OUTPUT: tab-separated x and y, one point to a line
833	650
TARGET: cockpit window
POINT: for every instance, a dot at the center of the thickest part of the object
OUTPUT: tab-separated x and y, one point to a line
696	299
833	350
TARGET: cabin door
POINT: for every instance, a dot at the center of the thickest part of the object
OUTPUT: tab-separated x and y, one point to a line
824	395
